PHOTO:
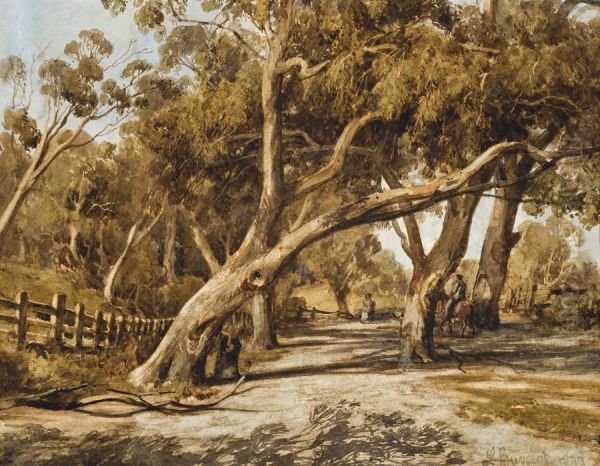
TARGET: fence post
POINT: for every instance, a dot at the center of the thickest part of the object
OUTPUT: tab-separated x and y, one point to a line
135	326
22	300
129	328
79	325
111	330
120	336
98	328
59	302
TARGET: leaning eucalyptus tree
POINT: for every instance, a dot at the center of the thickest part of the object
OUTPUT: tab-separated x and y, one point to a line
316	69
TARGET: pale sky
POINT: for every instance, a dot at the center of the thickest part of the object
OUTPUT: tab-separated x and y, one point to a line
27	26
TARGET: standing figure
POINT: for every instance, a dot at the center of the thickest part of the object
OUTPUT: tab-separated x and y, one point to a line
459	293
368	308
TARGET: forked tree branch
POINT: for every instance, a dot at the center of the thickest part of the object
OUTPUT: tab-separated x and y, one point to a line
203	243
336	163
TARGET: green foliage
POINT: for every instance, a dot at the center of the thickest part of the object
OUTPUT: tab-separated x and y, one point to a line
115	6
75	80
18	121
572	311
389	277
13	72
344	259
543	250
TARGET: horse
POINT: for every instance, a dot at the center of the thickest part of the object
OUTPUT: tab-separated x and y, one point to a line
464	311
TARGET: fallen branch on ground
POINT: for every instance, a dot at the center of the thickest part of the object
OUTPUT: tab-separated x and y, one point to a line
478	357
458	358
60	399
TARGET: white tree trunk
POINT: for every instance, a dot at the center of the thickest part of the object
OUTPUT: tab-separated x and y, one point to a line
73	235
169	256
114	270
10	211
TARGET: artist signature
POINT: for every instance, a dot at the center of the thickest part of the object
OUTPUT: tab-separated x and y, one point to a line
502	457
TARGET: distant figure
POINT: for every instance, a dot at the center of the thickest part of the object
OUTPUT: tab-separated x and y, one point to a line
459	293
368	308
482	293
226	367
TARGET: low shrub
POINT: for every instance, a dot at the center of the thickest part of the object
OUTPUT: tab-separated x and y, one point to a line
27	372
571	311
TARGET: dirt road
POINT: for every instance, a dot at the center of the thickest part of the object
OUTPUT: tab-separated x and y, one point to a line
332	394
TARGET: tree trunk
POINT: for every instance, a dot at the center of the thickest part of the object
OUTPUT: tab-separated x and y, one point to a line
114	270
73	236
498	243
205	249
101	251
429	276
169	256
181	354
416	332
10	212
499	237
341	298
264	336
490	11
22	249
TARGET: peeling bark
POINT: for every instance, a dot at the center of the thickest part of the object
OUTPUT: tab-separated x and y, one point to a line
181	354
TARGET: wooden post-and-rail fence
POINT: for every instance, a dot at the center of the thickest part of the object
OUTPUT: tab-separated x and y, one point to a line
26	321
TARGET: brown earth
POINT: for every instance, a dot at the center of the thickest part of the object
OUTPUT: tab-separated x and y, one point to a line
333	394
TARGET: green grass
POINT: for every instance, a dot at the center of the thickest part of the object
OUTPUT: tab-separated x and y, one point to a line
533	407
547	419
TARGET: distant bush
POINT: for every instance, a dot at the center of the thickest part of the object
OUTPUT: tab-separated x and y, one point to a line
572	310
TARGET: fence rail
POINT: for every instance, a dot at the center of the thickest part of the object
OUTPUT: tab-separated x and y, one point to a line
24	321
